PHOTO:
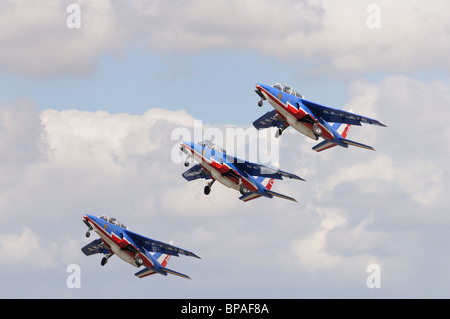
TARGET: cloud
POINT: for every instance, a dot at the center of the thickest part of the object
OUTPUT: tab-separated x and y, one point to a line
311	250
357	207
39	43
381	206
20	132
25	247
334	39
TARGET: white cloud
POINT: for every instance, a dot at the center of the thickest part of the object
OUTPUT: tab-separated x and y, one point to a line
26	249
20	132
357	207
388	202
39	43
75	136
311	251
333	37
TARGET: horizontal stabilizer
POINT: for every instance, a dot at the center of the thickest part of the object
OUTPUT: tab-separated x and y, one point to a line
280	195
249	196
145	272
163	271
173	272
353	143
324	145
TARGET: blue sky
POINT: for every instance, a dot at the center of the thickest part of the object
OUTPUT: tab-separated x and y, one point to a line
87	115
138	80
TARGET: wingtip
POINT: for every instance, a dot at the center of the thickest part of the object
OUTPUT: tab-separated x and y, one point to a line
194	255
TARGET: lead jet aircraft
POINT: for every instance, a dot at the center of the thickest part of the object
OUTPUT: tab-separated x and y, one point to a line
250	179
135	249
307	117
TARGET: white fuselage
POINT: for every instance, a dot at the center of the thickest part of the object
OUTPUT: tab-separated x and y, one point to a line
122	254
216	175
292	121
117	250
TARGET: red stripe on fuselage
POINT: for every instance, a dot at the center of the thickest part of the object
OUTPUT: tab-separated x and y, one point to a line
298	114
223	168
116	240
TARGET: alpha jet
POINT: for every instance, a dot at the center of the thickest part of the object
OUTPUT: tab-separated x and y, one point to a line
308	118
135	249
250	179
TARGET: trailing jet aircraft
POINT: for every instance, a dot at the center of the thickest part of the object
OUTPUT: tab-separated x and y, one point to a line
308	118
250	179
135	249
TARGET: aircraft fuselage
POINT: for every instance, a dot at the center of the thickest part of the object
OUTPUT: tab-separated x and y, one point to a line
119	245
294	112
219	170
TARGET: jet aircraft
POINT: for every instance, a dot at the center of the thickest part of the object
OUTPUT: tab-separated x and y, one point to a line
308	118
135	249
250	179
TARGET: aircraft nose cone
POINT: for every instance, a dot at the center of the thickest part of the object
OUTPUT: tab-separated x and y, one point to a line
264	87
184	144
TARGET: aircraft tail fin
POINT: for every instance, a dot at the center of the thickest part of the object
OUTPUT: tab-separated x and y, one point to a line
342	129
326	144
163	259
267	182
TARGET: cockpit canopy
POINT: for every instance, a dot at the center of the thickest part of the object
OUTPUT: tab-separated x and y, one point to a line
287	89
113	221
212	146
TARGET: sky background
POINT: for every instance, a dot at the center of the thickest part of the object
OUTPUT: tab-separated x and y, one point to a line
86	122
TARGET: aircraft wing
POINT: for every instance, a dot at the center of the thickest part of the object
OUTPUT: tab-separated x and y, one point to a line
195	172
157	246
270	119
338	116
265	171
